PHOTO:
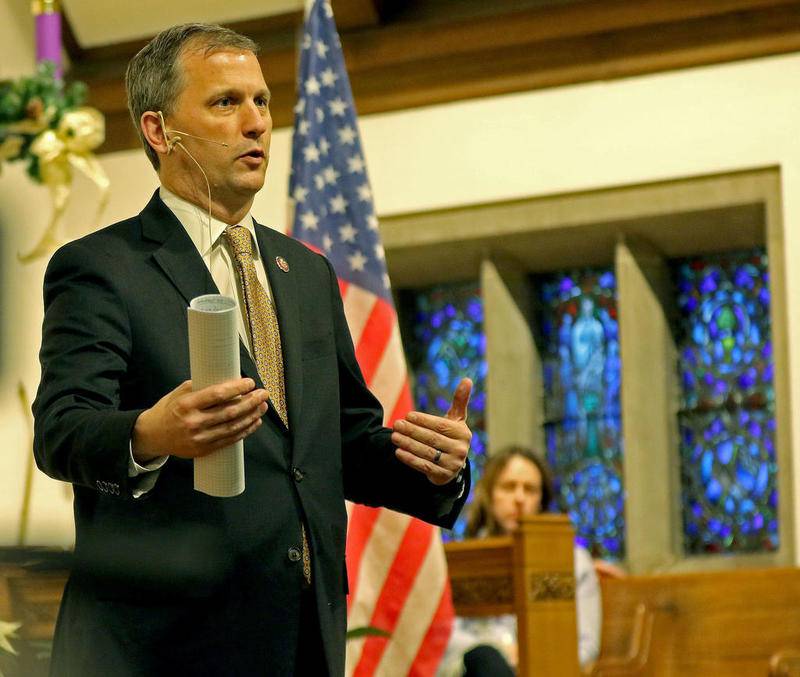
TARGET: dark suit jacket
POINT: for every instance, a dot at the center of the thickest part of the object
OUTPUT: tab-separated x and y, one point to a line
178	582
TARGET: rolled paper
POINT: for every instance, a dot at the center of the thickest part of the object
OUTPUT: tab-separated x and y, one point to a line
213	358
48	33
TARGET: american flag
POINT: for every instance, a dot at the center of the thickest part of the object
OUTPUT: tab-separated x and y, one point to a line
396	564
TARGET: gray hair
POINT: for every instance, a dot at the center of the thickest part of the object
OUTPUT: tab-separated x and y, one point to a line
154	78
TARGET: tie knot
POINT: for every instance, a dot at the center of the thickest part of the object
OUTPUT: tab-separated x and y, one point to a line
240	241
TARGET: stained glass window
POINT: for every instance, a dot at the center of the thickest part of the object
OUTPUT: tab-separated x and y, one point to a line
727	422
447	342
581	369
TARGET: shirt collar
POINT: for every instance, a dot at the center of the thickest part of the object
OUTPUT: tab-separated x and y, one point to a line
195	221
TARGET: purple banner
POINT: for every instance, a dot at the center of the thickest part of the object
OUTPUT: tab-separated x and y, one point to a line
48	40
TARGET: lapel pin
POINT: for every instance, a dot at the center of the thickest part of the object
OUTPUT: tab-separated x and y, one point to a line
282	264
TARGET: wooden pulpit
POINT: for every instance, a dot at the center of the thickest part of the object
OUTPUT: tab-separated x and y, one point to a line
530	574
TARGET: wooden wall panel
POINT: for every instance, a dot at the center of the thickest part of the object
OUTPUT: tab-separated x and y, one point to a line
395	62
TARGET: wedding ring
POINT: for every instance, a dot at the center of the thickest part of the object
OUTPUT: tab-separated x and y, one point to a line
437	457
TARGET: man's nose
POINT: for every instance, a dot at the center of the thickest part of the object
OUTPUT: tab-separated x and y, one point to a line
255	122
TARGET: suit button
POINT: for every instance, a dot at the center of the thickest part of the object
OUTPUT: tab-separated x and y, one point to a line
295	555
297	474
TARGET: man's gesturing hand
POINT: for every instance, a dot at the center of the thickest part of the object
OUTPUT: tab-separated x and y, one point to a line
436	446
189	424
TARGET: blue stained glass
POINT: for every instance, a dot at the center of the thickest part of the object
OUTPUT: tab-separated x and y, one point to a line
727	423
581	374
445	325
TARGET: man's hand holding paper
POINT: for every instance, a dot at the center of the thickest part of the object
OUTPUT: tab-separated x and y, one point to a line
193	424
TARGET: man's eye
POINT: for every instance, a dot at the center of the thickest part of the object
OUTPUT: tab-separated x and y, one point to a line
261	101
225	101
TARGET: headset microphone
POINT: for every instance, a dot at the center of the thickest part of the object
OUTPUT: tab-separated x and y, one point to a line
173	138
199	138
174	141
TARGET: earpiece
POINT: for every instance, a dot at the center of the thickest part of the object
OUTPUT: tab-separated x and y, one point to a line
170	142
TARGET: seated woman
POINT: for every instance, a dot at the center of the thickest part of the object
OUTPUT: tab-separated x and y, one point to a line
516	482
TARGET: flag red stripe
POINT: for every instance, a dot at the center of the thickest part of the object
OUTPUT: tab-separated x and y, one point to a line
359	530
372	533
373	340
309	245
395	591
433	646
343	285
403	405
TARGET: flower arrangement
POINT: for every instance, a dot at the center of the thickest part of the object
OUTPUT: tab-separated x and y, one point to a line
32	106
43	123
8	631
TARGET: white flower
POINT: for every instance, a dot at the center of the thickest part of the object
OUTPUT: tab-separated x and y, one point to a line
8	631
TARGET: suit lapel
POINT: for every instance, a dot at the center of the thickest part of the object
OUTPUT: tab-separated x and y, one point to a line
180	261
287	306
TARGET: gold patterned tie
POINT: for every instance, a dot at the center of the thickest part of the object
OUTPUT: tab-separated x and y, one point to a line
265	338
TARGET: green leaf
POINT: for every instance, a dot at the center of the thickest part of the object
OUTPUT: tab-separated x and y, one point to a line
367	631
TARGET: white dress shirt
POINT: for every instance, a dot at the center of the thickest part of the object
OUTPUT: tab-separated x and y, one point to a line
206	235
214	251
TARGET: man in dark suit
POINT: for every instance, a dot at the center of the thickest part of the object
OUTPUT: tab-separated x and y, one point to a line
170	581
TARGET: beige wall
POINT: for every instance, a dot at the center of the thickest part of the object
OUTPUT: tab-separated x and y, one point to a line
701	121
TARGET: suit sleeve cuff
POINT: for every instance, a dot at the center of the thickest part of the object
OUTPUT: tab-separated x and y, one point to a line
452	493
144	476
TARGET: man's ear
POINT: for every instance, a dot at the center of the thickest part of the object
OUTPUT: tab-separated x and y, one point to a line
153	129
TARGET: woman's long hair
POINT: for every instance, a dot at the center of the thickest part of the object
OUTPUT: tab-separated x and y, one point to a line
481	520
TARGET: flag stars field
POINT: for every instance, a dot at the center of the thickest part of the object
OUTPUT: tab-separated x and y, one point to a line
300	193
355	164
365	193
347	233
338	204
312	86
330	175
309	220
357	260
328	78
347	135
337	107
322	49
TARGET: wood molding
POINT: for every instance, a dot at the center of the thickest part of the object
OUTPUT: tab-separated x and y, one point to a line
396	64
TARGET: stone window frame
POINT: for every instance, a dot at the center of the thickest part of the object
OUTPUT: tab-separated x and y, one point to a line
636	228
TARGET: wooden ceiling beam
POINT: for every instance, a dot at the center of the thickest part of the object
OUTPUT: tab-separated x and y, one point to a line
355	13
413	42
408	65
